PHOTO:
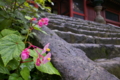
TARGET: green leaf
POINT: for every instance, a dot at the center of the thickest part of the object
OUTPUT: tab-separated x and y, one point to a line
32	34
10	47
28	17
8	31
3	69
51	2
43	31
4	14
20	16
36	27
48	9
34	9
2	3
26	4
37	15
5	24
24	31
29	65
13	64
33	53
1	19
21	1
1	36
25	73
15	76
48	68
3	76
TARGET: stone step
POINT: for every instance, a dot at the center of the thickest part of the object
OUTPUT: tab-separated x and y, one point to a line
78	21
94	28
98	51
82	38
111	65
94	33
82	31
83	25
91	28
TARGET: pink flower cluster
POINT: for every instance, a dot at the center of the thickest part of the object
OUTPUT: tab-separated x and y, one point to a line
41	22
40	59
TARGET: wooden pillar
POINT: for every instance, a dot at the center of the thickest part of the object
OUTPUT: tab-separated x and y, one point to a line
85	9
119	16
71	7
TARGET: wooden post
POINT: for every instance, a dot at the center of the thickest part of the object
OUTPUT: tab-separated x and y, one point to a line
71	7
85	10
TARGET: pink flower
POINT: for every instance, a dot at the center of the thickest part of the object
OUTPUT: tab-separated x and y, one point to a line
47	58
25	54
46	20
38	62
40	23
43	21
45	48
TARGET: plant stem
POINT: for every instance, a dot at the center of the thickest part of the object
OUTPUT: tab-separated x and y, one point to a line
27	36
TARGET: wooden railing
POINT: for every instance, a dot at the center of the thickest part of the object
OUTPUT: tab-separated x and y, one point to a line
112	22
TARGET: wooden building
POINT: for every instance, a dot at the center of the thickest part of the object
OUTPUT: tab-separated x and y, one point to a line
85	9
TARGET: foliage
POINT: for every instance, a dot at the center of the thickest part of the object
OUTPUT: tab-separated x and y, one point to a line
18	57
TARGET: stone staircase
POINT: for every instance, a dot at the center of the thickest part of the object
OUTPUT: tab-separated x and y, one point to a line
98	41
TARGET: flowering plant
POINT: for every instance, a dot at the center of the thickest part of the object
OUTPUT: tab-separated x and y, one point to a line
40	58
20	59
